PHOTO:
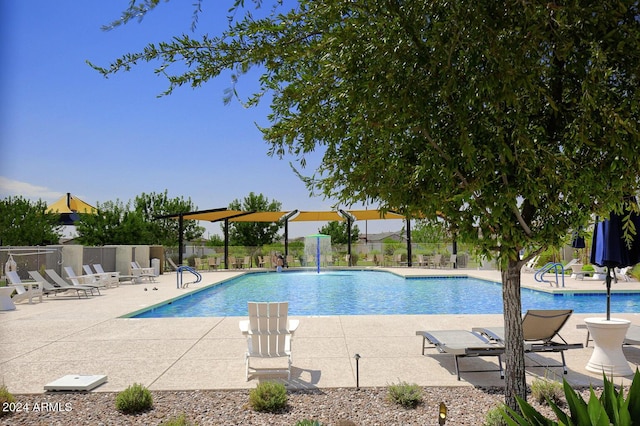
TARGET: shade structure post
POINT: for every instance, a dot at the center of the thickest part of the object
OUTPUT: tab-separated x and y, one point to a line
349	238
226	243
318	253
180	238
409	254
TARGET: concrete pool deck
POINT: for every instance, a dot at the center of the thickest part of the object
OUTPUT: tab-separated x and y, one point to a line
42	342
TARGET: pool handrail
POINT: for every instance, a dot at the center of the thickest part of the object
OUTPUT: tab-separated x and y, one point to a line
179	283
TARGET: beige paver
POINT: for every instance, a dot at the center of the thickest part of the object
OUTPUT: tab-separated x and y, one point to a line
64	335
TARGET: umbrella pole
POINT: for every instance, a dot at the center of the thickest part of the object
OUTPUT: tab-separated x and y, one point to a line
608	282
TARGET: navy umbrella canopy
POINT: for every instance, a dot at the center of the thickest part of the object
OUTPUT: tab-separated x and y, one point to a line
610	250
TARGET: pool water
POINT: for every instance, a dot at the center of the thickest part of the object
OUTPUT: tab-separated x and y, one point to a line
373	293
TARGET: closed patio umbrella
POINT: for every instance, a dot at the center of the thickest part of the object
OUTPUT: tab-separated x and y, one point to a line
611	251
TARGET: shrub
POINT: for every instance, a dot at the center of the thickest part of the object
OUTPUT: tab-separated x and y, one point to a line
308	422
181	420
5	398
494	417
544	390
611	408
135	399
268	396
407	395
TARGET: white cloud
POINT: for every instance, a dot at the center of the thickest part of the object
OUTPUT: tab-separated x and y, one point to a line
10	187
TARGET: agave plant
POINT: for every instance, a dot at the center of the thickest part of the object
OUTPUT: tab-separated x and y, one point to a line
612	408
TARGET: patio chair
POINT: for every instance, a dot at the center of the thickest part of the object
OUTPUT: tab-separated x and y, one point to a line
112	277
460	344
451	262
139	273
531	265
213	263
435	260
269	333
49	288
539	327
621	274
60	282
19	287
82	280
100	278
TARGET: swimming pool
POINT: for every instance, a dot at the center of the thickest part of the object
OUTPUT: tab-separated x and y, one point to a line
372	293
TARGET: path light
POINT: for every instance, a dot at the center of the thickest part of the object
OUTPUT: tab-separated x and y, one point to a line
442	416
357	357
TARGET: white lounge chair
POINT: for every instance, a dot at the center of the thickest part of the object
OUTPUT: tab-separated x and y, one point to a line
539	328
110	279
531	265
82	280
139	273
49	288
60	282
621	274
462	343
35	288
269	333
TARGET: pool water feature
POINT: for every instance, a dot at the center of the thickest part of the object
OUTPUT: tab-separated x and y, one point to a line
372	293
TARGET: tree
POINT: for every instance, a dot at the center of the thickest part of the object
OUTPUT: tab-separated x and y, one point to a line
114	223
119	223
165	231
27	223
430	231
254	234
516	121
339	232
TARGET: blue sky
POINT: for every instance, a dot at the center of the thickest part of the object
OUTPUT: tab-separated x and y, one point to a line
65	128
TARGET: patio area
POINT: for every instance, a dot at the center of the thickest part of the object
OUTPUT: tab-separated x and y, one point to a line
42	342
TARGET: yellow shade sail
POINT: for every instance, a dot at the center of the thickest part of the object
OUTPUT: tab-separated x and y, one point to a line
374	215
326	216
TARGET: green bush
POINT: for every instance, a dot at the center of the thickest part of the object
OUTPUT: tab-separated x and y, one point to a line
308	422
135	399
5	398
544	390
494	417
181	420
610	409
407	395
268	396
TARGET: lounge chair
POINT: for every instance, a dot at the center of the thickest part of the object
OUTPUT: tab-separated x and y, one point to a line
60	282
49	288
172	264
269	333
460	344
82	280
621	274
35	288
100	278
139	273
539	327
531	265
112	277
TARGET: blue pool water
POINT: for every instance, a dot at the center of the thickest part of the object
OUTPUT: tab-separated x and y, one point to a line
373	293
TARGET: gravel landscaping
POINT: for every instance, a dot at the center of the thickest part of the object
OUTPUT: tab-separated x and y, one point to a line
339	407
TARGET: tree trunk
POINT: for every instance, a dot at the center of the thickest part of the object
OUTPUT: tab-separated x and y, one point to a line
515	381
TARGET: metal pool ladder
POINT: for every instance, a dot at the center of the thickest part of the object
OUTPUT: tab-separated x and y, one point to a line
179	283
